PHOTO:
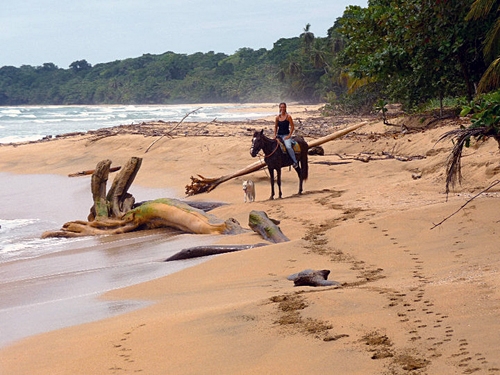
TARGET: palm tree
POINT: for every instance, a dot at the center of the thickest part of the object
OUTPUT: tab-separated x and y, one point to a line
491	77
308	37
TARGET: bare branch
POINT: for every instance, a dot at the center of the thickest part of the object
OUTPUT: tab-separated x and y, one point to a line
171	130
466	203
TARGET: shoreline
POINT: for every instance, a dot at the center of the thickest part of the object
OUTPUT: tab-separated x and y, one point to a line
412	299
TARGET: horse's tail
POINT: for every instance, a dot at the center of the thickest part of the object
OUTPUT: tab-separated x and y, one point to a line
304	148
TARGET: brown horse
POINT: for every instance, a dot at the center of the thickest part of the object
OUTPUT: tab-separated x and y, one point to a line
276	159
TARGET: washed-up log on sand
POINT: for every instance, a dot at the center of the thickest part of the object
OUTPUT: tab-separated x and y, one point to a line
112	213
203	251
202	184
266	227
312	278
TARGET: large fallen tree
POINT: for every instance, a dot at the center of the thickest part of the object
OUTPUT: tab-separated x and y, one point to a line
202	184
116	212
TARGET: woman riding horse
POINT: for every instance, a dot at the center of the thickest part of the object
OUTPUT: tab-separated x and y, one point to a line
276	159
283	129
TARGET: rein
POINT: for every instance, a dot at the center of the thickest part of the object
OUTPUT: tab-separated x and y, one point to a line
277	146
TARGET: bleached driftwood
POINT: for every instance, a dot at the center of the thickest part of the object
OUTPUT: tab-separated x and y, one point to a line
112	213
204	185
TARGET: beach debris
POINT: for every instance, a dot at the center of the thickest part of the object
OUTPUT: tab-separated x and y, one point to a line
496	182
117	201
91	171
317	150
171	130
364	158
268	228
116	211
203	251
202	184
310	277
159	213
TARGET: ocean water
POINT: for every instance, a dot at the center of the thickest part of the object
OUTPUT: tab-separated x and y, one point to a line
46	284
29	123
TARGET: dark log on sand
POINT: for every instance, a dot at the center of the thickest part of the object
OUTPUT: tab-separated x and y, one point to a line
203	251
266	227
312	278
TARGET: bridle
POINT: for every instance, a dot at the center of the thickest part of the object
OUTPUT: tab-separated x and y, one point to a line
265	156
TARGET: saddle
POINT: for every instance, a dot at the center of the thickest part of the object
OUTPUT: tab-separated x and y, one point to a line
295	146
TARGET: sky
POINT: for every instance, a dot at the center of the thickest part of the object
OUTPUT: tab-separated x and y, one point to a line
34	32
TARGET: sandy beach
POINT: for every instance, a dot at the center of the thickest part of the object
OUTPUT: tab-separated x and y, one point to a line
419	270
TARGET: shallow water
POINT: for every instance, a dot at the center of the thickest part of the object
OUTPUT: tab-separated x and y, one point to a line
47	284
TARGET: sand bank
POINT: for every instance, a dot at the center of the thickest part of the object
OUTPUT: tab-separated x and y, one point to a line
413	300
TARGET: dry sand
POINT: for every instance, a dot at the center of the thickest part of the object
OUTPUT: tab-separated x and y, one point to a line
413	300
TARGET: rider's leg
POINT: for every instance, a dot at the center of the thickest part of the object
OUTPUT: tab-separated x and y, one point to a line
289	148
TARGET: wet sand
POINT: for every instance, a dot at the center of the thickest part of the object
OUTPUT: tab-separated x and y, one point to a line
413	299
57	283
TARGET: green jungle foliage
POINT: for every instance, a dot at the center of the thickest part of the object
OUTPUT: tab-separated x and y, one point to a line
406	51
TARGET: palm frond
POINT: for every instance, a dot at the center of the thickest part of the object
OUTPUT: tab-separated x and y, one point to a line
479	9
491	78
492	42
460	138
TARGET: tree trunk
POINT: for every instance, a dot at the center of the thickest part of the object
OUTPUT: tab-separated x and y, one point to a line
118	201
159	213
266	227
118	197
205	185
99	210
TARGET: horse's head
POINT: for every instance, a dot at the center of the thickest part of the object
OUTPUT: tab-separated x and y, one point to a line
256	143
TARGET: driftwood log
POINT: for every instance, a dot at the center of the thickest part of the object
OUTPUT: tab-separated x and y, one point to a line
118	201
158	213
202	184
112	213
312	278
203	251
91	171
266	227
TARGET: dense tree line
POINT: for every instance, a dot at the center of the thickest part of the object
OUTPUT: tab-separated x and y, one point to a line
247	75
407	51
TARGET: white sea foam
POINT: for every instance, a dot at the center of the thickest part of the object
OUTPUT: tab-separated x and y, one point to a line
17	240
19	124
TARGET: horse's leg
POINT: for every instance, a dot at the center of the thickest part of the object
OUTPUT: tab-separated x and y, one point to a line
271	172
278	180
299	173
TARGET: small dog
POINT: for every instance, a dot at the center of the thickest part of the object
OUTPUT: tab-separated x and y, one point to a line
248	191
